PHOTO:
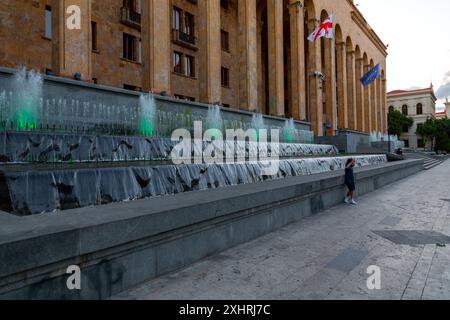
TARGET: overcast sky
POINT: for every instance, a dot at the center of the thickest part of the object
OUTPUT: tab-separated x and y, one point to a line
418	34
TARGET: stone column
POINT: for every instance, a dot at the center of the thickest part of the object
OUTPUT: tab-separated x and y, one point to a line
315	86
380	105
374	105
297	66
384	105
342	93
276	63
329	70
367	104
156	51
210	51
360	96
351	90
248	56
71	44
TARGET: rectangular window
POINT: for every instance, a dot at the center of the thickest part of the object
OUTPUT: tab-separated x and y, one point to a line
189	66
130	47
189	24
130	4
139	6
94	36
176	18
225	77
181	97
225	40
225	4
48	22
131	87
177	63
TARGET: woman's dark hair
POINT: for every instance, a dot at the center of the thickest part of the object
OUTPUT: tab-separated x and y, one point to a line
348	162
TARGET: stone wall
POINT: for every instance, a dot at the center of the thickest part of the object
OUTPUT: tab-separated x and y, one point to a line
122	245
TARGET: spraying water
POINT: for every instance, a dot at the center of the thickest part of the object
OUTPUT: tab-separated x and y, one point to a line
289	131
147	107
214	120
258	123
27	98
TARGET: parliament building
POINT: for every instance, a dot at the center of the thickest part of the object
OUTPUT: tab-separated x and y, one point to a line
245	54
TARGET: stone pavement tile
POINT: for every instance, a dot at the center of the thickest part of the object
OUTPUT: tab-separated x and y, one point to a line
436	290
420	273
291	263
319	285
354	285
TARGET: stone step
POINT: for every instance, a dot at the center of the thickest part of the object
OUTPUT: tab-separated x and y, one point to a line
431	164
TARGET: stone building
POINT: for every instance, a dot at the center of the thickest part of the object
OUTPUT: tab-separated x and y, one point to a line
247	54
419	105
446	112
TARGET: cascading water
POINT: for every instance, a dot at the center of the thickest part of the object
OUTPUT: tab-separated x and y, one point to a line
147	108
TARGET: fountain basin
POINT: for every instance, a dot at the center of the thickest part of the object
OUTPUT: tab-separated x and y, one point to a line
39	191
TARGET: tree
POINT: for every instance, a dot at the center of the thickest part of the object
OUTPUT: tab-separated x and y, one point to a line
437	131
428	130
399	123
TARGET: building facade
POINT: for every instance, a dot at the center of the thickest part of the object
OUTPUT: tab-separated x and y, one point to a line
247	54
446	112
420	105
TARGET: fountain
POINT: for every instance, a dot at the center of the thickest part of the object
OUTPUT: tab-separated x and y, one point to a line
65	151
214	121
289	131
377	137
147	109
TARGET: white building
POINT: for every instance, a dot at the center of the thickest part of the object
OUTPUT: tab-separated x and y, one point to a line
418	104
446	112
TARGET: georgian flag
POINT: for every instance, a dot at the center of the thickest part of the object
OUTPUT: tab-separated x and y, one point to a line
324	30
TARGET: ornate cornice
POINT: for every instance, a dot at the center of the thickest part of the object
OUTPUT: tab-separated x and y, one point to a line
359	19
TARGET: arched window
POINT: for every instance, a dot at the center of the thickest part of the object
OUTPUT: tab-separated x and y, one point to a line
405	109
419	109
391	109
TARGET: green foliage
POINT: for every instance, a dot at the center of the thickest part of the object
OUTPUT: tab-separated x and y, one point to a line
438	132
399	123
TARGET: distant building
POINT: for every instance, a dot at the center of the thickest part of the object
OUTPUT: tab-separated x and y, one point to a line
446	112
418	104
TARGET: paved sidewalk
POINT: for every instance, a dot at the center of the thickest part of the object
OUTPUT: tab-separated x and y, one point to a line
326	256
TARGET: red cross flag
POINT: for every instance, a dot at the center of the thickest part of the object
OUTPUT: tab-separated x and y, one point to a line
324	30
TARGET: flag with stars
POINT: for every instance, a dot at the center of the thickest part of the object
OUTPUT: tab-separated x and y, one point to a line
370	76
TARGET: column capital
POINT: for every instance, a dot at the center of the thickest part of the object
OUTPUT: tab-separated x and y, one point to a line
295	6
351	52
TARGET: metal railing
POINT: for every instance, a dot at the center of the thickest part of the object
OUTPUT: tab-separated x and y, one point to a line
131	17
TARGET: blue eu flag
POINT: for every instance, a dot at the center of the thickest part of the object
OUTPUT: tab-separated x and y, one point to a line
370	76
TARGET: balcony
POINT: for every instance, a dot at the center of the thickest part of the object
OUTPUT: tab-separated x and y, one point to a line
131	18
183	39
